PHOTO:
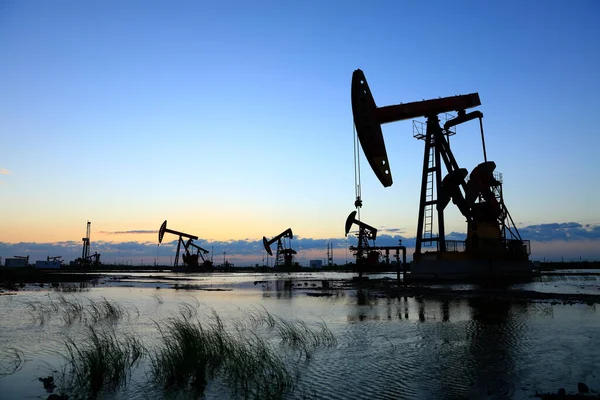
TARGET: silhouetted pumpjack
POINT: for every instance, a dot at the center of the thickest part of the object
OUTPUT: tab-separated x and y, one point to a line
363	252
189	259
491	233
193	259
367	255
285	256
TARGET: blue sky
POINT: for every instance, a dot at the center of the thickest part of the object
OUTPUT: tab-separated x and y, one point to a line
233	120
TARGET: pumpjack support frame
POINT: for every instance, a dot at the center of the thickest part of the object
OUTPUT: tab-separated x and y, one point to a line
480	200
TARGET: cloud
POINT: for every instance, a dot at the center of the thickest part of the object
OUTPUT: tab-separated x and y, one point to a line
553	241
4	171
391	230
131	232
566	231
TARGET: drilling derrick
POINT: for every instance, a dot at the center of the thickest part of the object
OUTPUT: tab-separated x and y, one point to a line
285	254
86	242
493	246
87	258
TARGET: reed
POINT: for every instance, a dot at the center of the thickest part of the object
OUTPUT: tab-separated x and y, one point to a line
71	287
73	309
11	360
101	363
158	298
187	310
105	310
193	353
296	334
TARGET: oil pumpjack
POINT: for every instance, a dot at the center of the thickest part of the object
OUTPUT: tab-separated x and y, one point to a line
493	246
285	255
190	259
368	255
363	252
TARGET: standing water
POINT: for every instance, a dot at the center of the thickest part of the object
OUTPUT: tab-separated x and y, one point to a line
332	340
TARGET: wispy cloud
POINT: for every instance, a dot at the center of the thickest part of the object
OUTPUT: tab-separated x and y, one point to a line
131	232
391	230
4	171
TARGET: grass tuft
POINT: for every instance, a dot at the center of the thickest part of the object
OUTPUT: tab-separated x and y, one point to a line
11	360
100	363
296	334
72	309
105	310
193	353
158	298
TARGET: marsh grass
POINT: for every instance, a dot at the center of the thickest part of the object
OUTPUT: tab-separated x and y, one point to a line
71	287
100	363
193	353
158	298
41	312
296	334
72	309
187	310
11	360
105	310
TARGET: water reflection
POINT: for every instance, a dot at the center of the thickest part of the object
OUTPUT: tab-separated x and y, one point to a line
388	347
463	348
494	337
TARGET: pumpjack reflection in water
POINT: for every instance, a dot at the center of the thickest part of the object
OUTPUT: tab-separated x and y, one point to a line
289	288
475	358
494	342
280	289
468	347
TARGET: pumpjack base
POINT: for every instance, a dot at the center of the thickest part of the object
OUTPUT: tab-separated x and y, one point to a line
432	268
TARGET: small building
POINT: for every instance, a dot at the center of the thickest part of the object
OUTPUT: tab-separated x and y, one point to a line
16	262
316	263
48	264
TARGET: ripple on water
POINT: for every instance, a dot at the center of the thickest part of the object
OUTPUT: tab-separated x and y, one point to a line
401	348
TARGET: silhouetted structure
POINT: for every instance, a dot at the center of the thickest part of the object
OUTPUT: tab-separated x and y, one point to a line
285	255
190	259
493	246
86	258
368	255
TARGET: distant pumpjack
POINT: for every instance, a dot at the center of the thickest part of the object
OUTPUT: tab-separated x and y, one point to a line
192	259
363	252
188	259
491	233
285	255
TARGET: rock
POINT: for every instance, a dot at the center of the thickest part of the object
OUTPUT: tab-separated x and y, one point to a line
48	383
582	388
